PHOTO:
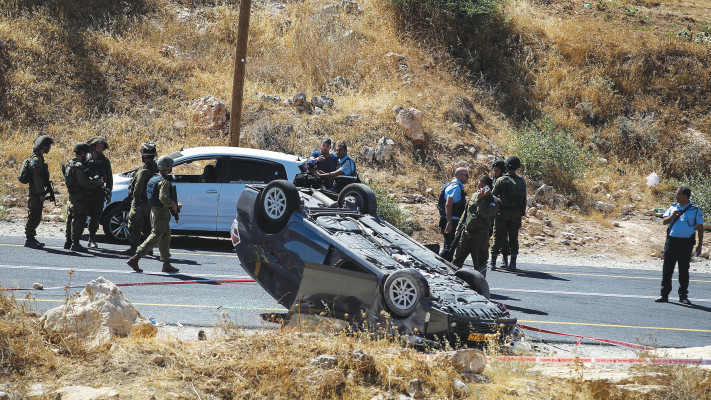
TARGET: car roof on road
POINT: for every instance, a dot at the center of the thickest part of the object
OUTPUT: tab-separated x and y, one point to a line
236	151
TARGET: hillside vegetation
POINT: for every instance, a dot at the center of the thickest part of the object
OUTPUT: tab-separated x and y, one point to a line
619	88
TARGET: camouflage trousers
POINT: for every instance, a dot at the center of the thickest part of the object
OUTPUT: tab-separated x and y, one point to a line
139	223
476	244
160	234
76	220
34	215
506	226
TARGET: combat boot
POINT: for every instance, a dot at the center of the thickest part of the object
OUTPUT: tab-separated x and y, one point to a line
77	247
133	262
169	268
33	243
131	250
67	245
492	265
512	264
505	260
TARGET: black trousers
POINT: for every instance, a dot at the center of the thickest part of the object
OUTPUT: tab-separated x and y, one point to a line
677	250
448	237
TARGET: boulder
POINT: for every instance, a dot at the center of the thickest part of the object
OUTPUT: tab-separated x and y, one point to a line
604	207
86	393
414	389
545	194
320	378
208	113
269	98
464	361
459	388
324	361
322	102
410	121
99	312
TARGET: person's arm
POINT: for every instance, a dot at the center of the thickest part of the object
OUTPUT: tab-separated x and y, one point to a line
139	188
669	216
331	175
37	178
448	210
84	182
165	198
700	230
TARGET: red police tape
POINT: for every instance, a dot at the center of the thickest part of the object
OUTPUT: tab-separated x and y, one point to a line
603	360
613	342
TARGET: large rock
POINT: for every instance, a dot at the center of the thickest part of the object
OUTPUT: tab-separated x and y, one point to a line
464	361
208	113
382	151
410	121
99	312
545	194
320	378
604	207
86	393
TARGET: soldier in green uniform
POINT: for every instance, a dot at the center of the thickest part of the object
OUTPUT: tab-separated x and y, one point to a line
497	170
159	190
478	218
79	185
38	183
139	226
511	191
99	166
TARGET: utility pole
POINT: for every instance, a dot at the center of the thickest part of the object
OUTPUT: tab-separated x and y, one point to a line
240	60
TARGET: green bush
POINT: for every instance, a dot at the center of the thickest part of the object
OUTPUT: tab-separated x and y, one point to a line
548	153
700	185
389	210
461	8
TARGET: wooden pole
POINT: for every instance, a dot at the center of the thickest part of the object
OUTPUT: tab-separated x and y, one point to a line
238	80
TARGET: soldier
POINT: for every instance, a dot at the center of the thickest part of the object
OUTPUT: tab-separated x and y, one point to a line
163	202
99	166
478	219
497	170
139	216
511	191
310	178
37	190
79	185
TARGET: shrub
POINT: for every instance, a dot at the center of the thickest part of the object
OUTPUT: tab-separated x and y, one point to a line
548	153
700	185
389	210
458	8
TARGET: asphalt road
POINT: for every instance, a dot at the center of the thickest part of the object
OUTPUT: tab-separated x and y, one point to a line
614	304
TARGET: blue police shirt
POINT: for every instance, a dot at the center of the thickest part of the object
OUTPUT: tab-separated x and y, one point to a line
346	165
685	226
329	164
455	192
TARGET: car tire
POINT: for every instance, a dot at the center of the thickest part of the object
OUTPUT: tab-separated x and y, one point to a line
362	195
115	222
275	204
475	280
403	290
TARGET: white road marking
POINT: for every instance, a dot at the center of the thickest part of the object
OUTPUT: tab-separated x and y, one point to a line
117	271
633	296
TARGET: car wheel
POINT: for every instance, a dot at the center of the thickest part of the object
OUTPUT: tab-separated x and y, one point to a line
275	204
475	280
115	222
403	290
361	195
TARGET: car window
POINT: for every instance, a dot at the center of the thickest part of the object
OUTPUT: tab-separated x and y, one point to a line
244	170
201	170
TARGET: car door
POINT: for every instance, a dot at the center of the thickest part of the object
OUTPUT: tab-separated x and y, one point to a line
198	191
242	171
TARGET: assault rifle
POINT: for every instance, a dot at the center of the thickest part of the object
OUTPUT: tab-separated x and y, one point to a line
51	194
106	189
174	197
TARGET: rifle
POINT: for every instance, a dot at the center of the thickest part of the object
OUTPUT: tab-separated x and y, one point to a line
174	197
106	189
51	193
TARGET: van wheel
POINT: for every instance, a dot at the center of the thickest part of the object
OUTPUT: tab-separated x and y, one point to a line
275	204
475	280
403	290
361	195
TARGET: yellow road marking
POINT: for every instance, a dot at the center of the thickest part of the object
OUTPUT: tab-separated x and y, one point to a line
614	326
172	305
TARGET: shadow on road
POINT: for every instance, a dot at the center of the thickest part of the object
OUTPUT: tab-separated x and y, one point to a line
694	306
187	242
501	299
533	274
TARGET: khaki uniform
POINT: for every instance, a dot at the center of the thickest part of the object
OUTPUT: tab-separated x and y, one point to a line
139	216
511	189
160	222
478	219
37	187
101	167
79	184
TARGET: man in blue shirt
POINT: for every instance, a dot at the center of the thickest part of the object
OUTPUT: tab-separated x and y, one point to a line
684	219
325	161
452	202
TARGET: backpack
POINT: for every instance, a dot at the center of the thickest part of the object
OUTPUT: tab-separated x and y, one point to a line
68	175
25	174
152	190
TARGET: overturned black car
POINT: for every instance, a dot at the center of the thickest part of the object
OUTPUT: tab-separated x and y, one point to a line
322	253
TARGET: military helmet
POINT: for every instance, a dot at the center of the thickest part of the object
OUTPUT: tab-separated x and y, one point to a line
42	141
99	139
500	164
513	163
82	147
148	149
165	163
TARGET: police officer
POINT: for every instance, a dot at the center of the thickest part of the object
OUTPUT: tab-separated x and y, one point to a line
511	191
451	204
478	218
38	188
139	216
497	170
99	166
79	185
159	197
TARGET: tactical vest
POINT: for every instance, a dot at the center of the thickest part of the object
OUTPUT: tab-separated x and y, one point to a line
514	193
153	190
98	166
458	207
